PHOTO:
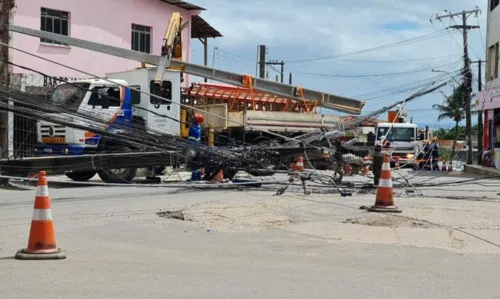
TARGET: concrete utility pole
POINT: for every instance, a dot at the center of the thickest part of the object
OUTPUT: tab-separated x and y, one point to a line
467	76
479	113
262	61
6	7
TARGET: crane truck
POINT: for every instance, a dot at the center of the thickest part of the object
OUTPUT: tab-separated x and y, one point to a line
147	98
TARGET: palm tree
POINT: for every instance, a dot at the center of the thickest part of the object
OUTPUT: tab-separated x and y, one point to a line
453	108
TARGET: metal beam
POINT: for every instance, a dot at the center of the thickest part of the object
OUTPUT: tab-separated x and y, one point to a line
329	101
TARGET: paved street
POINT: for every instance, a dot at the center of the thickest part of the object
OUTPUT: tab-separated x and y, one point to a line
250	244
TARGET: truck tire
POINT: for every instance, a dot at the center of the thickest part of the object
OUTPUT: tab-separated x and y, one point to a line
81	176
121	175
117	176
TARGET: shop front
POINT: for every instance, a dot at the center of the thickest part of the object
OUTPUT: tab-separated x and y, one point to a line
488	103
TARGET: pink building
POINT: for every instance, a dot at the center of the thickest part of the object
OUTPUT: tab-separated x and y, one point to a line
133	24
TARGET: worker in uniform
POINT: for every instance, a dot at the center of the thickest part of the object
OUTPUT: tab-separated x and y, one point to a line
195	137
435	153
385	143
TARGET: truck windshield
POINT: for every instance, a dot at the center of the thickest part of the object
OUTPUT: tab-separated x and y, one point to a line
397	134
69	96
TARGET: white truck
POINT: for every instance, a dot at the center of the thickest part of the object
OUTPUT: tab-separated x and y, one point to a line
111	103
404	143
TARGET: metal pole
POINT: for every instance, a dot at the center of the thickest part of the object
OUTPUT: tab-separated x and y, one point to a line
290	79
282	70
205	53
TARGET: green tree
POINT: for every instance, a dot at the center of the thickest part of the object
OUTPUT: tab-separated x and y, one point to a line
453	108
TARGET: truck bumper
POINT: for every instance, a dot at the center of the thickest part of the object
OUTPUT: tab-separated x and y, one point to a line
42	150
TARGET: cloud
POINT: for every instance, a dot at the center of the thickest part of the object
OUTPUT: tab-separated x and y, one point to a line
295	30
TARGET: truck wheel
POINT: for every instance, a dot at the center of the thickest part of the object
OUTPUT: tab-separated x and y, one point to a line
117	176
81	176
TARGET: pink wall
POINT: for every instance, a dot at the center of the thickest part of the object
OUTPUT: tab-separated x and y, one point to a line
103	21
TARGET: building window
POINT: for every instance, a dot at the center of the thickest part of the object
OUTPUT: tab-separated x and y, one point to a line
54	21
494	4
493	57
141	38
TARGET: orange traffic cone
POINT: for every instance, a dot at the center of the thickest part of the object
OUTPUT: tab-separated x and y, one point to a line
42	238
218	178
300	164
384	201
365	170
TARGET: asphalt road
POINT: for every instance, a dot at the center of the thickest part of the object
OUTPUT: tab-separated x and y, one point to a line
117	247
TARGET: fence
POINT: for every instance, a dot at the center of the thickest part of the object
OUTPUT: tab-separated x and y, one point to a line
24	131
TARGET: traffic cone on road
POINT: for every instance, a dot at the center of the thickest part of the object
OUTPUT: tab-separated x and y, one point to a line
300	164
384	201
42	238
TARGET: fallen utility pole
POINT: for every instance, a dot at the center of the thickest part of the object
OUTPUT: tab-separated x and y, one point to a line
354	124
330	101
467	76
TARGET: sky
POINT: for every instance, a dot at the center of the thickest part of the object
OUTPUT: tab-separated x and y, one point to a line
378	51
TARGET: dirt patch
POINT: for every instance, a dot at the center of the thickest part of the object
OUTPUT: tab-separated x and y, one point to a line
179	215
387	221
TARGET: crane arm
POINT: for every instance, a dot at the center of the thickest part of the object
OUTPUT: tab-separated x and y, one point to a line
171	47
330	101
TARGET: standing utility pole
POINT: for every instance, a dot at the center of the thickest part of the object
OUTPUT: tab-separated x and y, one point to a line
6	7
479	113
275	62
262	61
467	76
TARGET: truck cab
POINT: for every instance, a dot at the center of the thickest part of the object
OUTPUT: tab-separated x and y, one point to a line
104	103
403	139
110	104
93	98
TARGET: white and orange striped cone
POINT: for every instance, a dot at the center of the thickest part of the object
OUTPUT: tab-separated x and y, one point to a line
300	164
42	238
218	178
384	202
365	170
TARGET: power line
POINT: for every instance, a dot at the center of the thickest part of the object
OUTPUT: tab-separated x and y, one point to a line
424	37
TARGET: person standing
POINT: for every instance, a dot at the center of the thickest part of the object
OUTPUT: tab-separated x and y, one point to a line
195	137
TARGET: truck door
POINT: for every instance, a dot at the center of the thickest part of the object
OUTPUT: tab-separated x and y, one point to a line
104	102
